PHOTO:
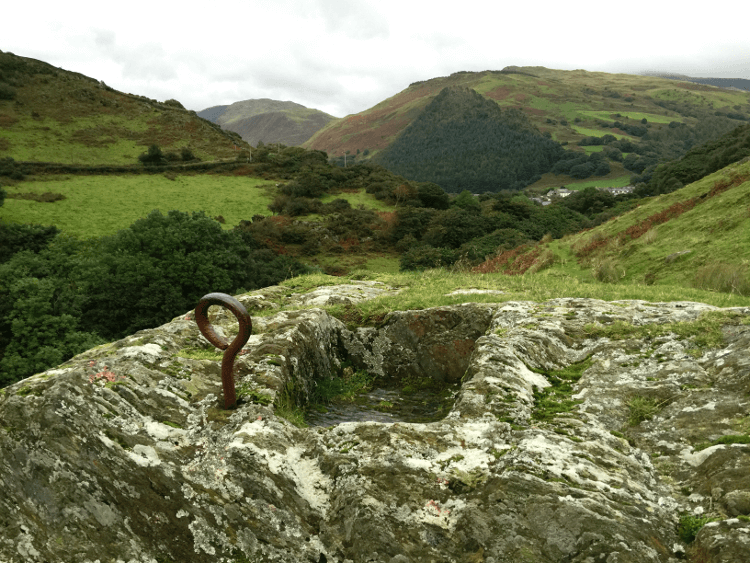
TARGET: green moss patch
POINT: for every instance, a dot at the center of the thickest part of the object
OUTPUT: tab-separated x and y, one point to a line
200	354
705	332
557	398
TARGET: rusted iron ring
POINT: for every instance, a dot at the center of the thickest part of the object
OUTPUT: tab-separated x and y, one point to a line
230	349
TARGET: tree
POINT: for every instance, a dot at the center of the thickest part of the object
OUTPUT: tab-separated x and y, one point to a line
432	195
404	193
153	157
163	264
159	266
15	237
41	336
466	200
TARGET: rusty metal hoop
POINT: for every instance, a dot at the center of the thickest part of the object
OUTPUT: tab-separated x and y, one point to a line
230	349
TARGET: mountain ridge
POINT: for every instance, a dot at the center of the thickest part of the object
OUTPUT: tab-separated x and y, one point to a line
267	120
730	83
571	107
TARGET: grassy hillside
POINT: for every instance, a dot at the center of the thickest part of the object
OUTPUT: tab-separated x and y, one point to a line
695	237
270	121
566	105
52	115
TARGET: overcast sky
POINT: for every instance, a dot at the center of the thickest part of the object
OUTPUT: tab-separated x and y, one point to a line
343	57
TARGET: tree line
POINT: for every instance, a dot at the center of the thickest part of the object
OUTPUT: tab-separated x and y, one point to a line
60	295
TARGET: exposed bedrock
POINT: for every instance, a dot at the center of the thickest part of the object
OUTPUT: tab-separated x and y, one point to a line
125	454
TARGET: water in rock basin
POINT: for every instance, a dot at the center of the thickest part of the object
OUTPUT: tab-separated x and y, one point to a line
387	405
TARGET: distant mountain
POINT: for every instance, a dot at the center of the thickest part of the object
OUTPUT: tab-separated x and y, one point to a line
48	114
212	114
736	83
642	120
568	105
268	120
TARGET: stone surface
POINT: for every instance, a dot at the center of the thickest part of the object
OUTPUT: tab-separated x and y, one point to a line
125	454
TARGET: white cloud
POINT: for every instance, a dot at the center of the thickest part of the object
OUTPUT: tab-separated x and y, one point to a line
345	56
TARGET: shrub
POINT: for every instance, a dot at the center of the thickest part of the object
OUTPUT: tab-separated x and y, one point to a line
297	206
545	260
174	103
153	157
337	206
608	271
690	526
7	92
726	278
641	408
481	248
425	256
187	155
432	195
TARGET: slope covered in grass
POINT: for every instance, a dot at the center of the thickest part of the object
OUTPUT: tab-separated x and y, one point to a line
569	105
695	237
674	238
52	115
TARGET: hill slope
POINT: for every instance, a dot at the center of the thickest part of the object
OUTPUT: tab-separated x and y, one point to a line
463	141
737	83
52	115
696	236
576	103
270	121
655	118
212	113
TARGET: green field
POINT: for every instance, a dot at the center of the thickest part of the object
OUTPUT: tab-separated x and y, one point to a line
358	198
598	133
102	205
620	182
632	116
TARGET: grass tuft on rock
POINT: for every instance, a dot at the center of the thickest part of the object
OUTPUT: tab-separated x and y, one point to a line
557	398
642	409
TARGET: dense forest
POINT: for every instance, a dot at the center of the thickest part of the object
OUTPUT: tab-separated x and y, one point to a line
464	141
60	295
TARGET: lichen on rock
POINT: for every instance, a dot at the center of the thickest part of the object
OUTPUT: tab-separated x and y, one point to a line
125	453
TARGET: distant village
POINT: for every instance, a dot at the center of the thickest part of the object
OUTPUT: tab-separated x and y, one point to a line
561	192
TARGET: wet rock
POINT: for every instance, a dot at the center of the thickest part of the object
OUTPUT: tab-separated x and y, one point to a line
125	453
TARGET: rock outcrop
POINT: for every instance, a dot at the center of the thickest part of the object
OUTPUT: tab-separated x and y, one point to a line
582	431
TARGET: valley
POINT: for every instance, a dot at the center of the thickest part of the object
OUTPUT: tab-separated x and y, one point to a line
74	161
